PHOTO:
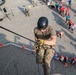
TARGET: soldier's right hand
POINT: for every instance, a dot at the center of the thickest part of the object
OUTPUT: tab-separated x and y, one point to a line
41	42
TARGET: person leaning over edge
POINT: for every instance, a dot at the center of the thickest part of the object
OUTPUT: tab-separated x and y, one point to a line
46	37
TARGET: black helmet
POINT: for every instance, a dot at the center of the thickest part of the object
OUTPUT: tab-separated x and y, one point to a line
42	23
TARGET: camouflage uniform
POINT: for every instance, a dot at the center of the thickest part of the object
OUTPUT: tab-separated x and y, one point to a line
44	54
27	12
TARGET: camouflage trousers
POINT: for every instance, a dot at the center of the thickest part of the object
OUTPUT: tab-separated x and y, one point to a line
45	56
27	12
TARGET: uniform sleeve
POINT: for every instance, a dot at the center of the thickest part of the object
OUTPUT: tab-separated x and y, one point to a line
35	31
52	32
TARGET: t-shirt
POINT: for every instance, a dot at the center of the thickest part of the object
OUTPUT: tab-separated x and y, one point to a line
73	27
67	10
46	35
62	8
60	5
57	4
69	0
67	17
70	22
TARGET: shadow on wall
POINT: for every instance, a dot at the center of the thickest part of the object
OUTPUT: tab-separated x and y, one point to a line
30	1
16	38
59	20
22	10
43	2
73	43
3	38
17	41
70	55
68	35
71	37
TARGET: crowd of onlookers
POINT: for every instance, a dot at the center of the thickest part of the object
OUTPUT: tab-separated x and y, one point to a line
65	12
65	59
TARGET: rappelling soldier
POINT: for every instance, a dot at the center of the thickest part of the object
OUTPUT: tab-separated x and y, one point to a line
46	37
